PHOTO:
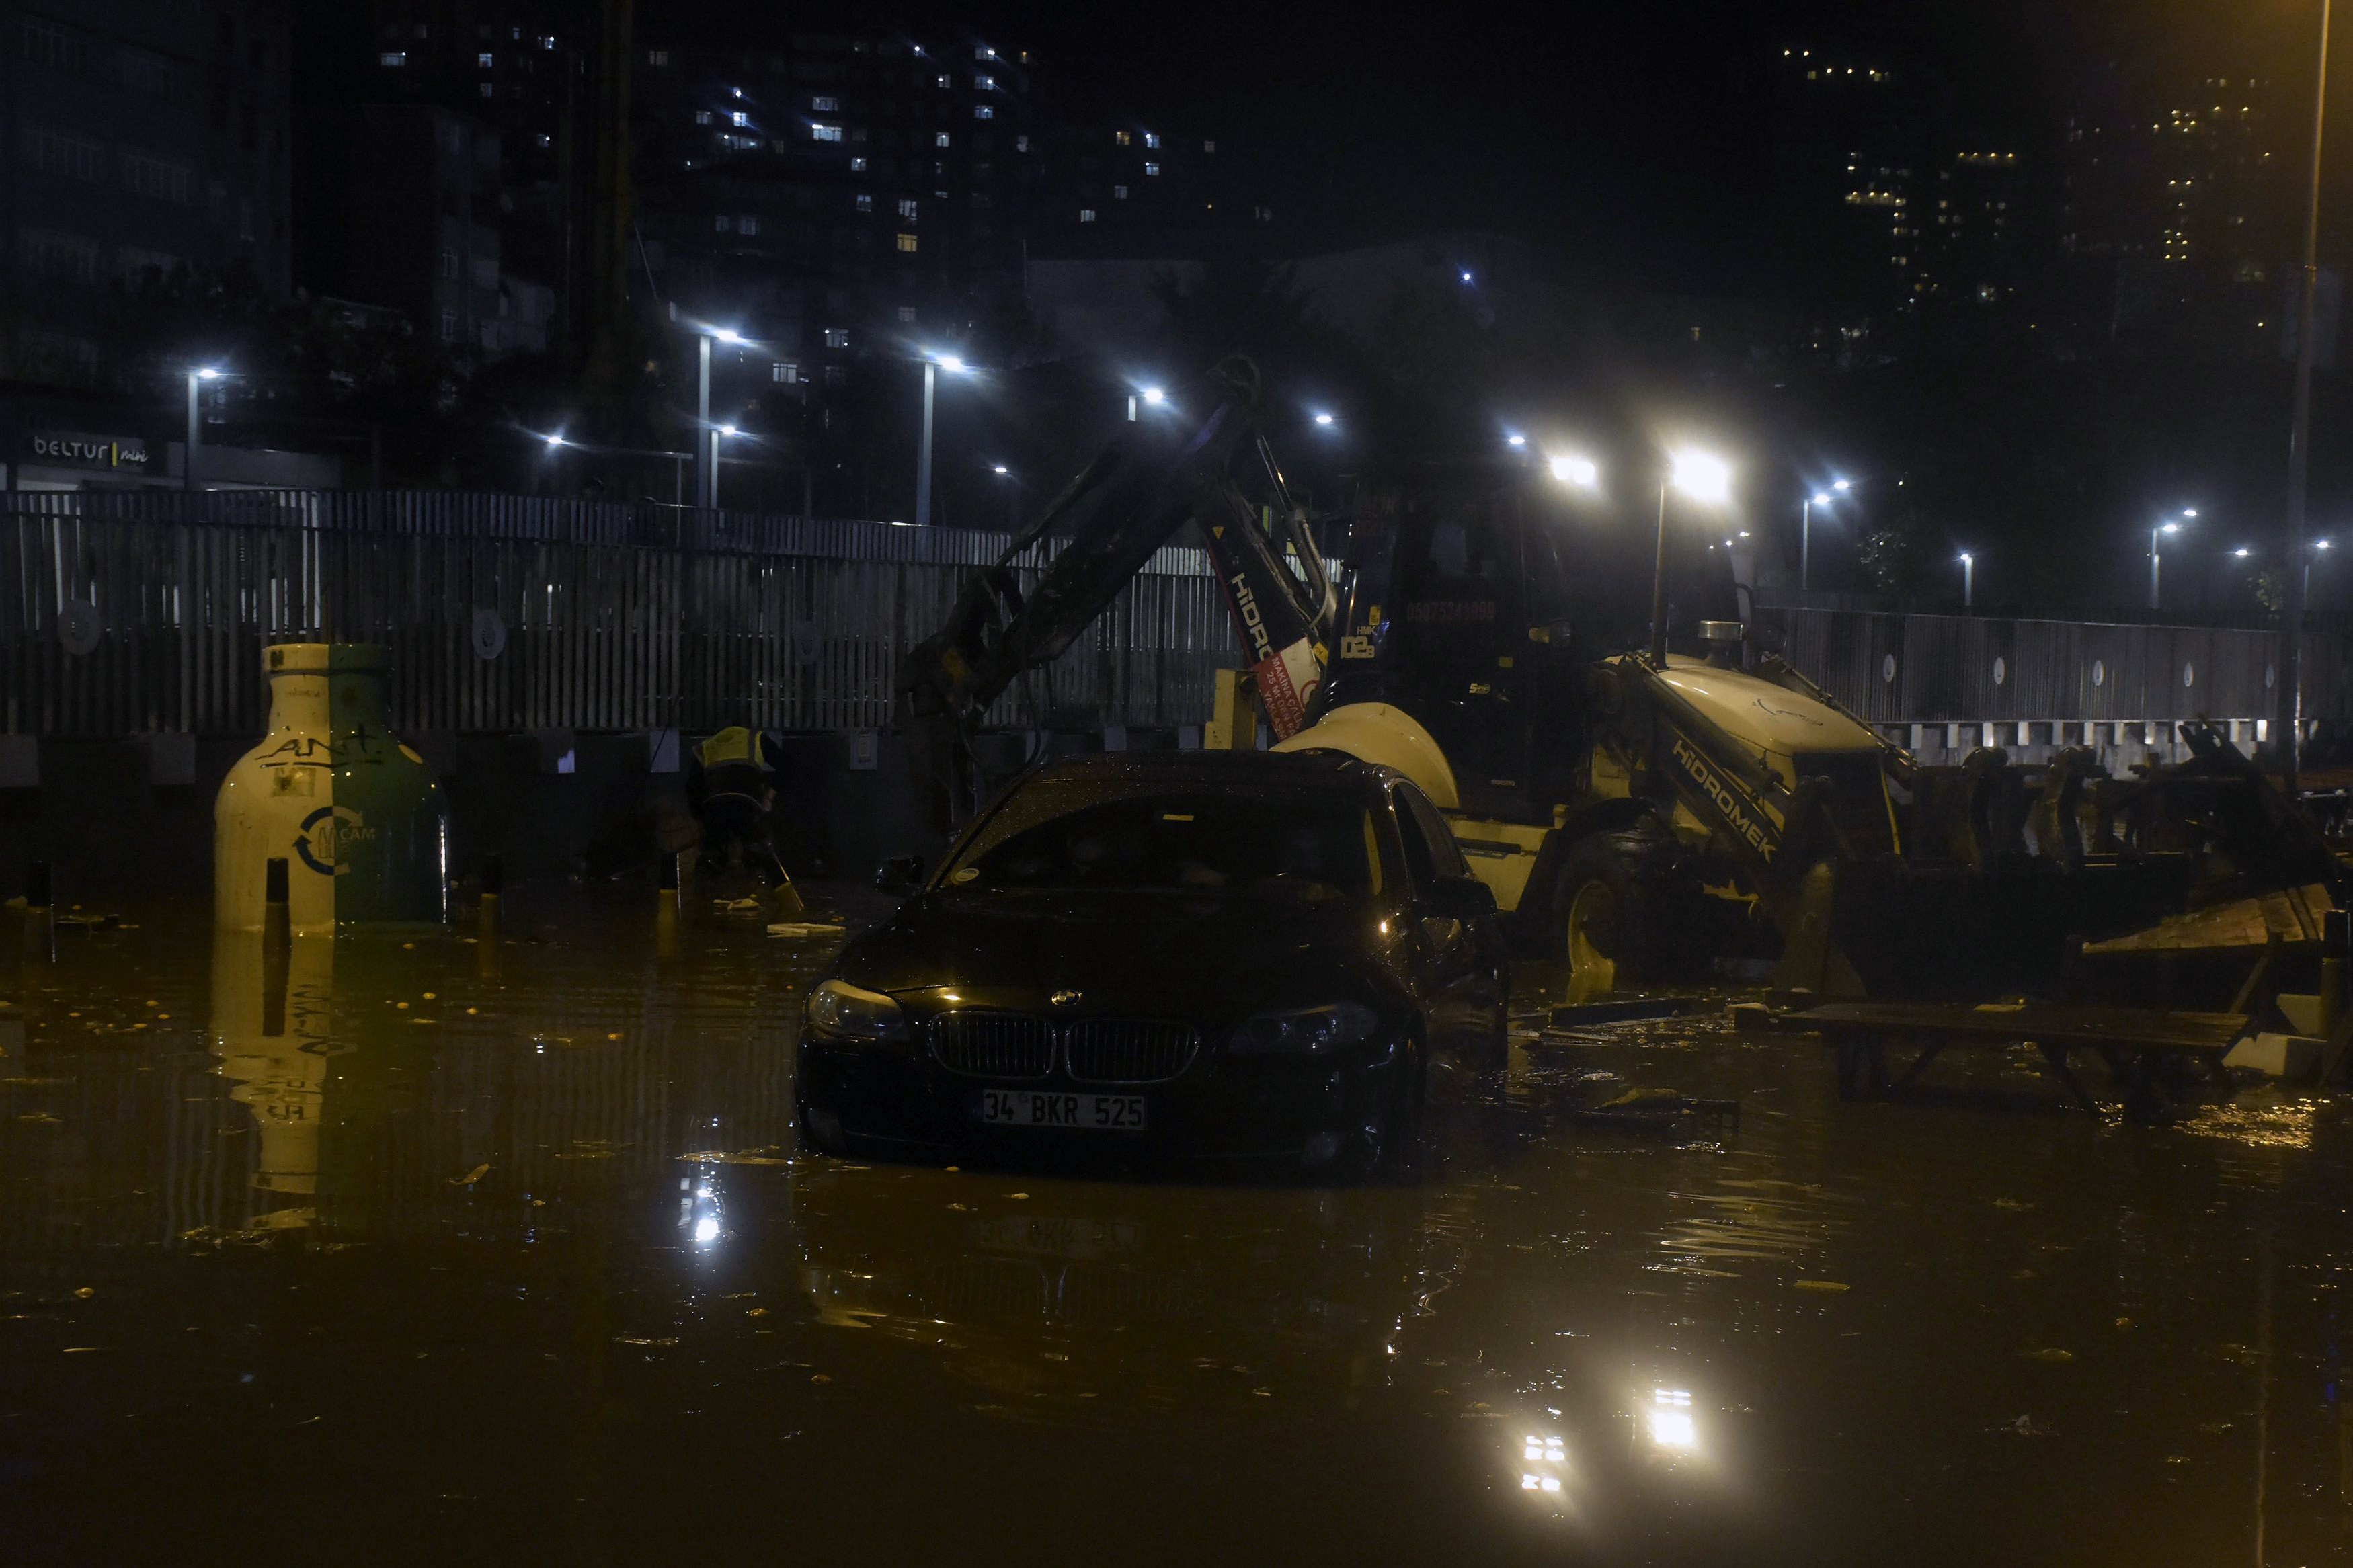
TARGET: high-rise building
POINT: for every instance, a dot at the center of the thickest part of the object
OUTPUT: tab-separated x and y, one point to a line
1851	164
2177	208
1134	191
147	143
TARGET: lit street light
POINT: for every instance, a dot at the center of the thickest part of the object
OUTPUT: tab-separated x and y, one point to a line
1515	440
2154	563
1582	472
196	427
1705	479
1324	419
1154	395
1806	530
933	365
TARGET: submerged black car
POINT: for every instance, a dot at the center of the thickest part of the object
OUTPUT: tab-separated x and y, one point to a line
1175	955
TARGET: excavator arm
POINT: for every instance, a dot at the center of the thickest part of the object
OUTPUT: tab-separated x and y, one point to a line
1100	531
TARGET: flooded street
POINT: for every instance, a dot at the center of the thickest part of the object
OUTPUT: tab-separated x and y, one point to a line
471	1253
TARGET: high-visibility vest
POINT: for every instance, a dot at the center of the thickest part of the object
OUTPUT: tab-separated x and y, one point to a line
733	744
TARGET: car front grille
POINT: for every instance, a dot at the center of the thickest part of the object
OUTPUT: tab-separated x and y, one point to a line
1093	1051
994	1045
1123	1050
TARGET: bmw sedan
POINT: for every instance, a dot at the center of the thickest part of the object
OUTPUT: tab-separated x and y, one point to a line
1141	958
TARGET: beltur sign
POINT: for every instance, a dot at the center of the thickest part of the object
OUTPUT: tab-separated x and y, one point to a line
75	449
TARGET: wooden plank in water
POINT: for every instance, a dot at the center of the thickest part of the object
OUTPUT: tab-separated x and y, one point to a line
2046	1024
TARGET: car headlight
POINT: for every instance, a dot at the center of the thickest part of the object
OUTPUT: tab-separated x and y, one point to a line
1307	1031
842	1012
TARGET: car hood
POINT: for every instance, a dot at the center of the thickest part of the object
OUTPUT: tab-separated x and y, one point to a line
1185	955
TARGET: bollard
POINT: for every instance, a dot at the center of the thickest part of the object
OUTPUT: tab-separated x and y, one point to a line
2335	950
40	922
494	877
666	907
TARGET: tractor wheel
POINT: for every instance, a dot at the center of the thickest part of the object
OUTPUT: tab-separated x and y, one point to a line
1606	916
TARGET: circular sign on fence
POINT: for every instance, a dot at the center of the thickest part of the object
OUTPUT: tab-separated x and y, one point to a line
2099	673
78	627
2188	675
808	641
1887	670
2269	676
490	633
2000	669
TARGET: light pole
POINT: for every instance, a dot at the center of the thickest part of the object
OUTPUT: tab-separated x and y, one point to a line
933	365
1968	580
1703	478
196	425
2299	440
2156	563
1806	530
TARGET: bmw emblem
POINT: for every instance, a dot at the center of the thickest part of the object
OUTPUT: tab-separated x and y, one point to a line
1064	998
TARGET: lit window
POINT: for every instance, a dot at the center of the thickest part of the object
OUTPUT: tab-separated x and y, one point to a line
907	244
1208	146
1150	169
985	83
739	118
725	223
1119	192
826	105
1122	137
983	111
836	337
747	223
486	61
488	89
703	117
392	57
939	139
653	57
784	373
1086	215
983	52
907	209
1021	143
858	166
945	80
1150	140
906	313
825	132
865	203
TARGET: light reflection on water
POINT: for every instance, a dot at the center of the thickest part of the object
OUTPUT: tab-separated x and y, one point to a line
518	1254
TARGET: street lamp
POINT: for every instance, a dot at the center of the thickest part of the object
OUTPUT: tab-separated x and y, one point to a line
1515	440
1582	472
195	429
2155	562
1012	496
1806	530
1706	478
933	365
1324	419
1968	579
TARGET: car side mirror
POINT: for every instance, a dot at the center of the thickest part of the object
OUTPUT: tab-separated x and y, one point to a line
900	874
1462	897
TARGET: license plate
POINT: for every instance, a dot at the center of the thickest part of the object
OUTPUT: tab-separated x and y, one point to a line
1046	1108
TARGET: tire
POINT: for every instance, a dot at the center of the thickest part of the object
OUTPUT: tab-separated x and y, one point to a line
1607	909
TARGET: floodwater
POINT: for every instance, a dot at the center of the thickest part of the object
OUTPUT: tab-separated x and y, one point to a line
508	1256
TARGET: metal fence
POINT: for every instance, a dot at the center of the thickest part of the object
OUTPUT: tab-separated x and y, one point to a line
1904	668
148	611
137	612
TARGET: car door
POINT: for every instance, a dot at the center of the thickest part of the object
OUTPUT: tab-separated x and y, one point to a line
1458	962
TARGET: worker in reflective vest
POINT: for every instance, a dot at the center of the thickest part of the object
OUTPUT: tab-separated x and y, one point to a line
732	785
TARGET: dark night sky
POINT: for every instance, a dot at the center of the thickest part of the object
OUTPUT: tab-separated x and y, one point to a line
1633	135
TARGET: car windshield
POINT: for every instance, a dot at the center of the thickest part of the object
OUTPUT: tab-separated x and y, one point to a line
1099	835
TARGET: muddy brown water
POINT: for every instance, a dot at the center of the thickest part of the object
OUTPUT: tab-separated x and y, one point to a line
443	1257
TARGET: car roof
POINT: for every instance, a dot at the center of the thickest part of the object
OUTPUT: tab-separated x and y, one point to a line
1238	771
